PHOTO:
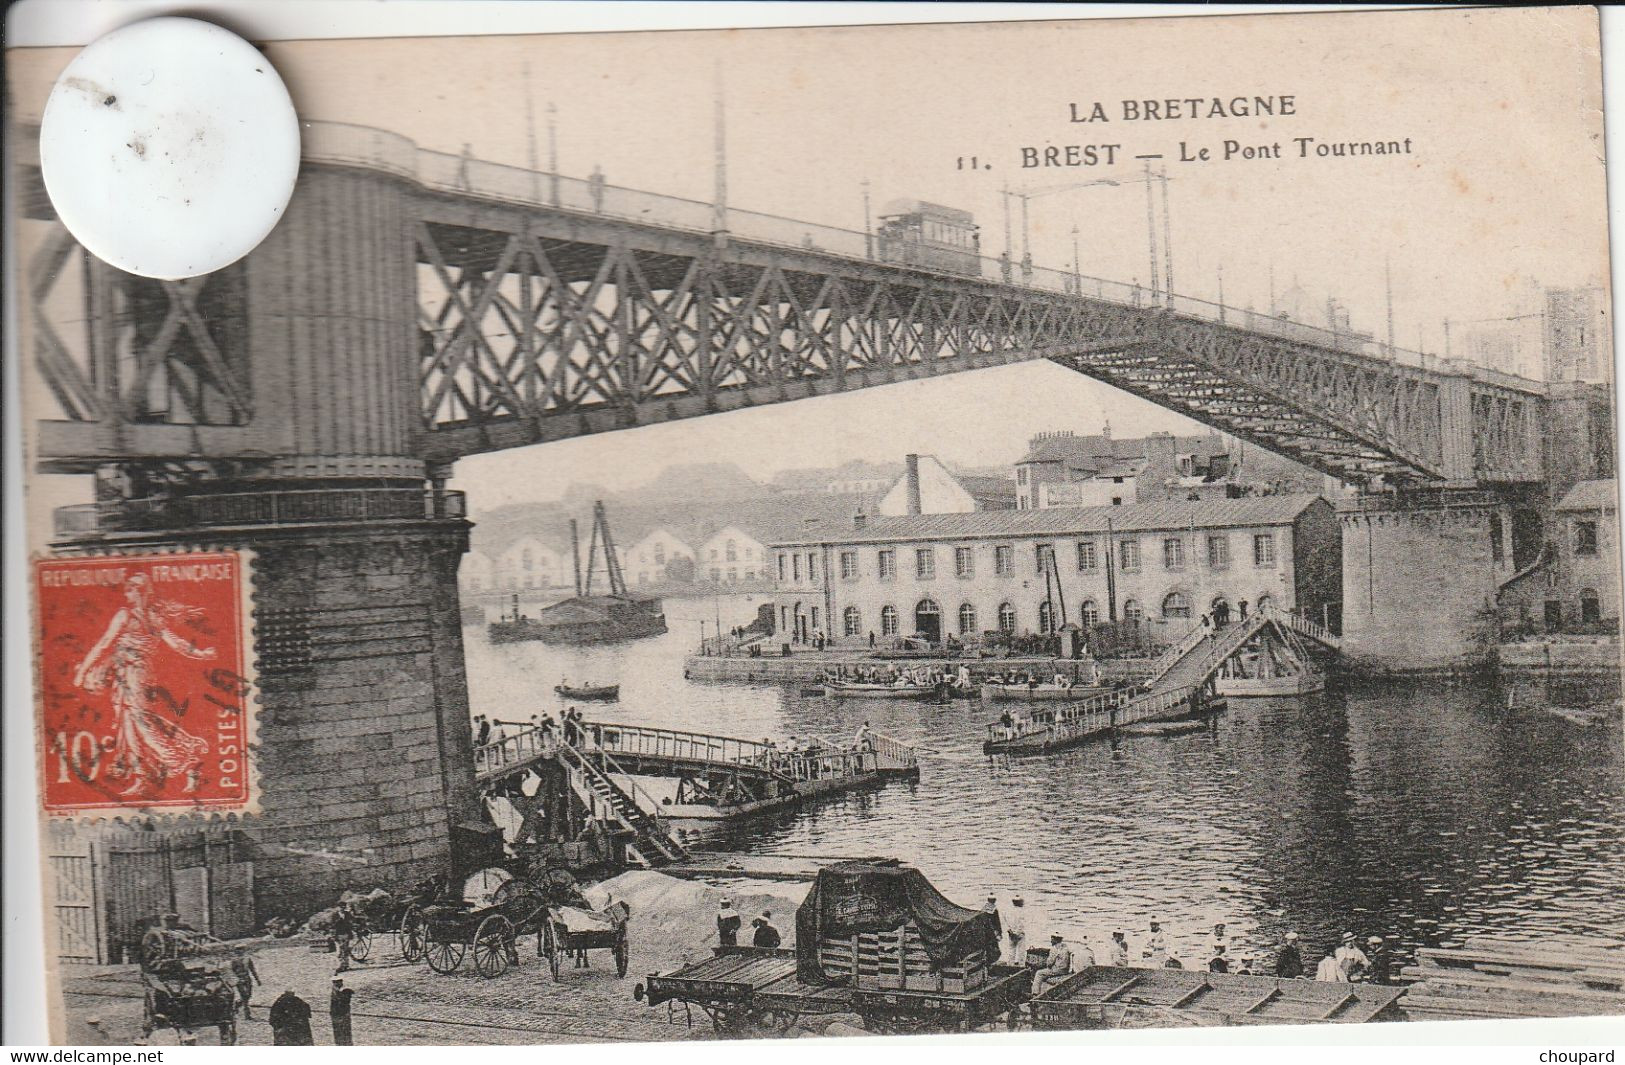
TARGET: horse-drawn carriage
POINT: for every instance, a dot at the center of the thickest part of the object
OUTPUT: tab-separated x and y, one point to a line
496	909
186	998
187	984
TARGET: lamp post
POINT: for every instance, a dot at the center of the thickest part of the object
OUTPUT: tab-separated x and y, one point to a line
868	232
1027	195
1077	275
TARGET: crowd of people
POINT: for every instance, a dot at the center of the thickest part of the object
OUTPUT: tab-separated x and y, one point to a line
1344	961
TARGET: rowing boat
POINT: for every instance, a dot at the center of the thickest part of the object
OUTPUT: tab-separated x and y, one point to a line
599	692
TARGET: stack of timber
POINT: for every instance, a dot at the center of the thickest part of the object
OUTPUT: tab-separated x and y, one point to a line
897	961
1500	978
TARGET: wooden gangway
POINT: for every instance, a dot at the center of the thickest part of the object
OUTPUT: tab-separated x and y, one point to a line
1176	687
718	777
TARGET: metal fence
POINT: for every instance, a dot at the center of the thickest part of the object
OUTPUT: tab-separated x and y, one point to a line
259	508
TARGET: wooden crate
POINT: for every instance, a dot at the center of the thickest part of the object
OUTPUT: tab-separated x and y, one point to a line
896	960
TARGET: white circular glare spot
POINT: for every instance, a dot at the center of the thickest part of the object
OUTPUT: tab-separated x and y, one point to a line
169	147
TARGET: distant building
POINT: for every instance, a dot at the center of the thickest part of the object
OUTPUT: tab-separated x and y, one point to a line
731	555
1063	469
1587	564
646	561
1575	327
527	562
929	487
477	572
856	477
1163	564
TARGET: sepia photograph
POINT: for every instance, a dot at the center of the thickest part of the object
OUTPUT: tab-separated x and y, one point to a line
840	531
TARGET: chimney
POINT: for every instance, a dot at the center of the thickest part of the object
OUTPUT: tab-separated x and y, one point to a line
912	462
859	520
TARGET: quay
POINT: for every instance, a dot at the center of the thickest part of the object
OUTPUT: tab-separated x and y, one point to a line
803	665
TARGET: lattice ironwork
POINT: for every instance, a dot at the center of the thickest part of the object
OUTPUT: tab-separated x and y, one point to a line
111	346
527	337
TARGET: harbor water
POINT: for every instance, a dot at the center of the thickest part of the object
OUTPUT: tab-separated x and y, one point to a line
1427	810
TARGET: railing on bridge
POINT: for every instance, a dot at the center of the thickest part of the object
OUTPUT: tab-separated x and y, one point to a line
828	759
268	507
1092	716
880	753
1307	627
347	144
672	744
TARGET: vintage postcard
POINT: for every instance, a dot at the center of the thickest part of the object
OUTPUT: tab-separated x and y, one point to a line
946	528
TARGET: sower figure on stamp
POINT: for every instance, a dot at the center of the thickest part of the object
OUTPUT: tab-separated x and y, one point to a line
147	747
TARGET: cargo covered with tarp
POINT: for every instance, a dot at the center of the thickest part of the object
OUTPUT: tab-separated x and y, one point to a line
859	898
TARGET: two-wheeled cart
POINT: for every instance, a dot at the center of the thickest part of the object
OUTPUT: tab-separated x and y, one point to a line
185	998
570	932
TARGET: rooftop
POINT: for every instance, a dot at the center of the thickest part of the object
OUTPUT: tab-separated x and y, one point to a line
1054	521
1591	495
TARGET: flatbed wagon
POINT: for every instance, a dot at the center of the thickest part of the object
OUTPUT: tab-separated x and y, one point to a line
1104	996
873	939
756	987
902	1011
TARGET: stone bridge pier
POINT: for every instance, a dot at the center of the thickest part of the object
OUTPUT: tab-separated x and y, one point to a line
364	756
1420	577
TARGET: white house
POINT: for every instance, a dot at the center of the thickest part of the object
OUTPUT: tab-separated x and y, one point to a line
477	572
731	555
645	562
529	563
929	487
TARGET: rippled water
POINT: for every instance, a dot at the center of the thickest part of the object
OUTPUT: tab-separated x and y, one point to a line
1428	811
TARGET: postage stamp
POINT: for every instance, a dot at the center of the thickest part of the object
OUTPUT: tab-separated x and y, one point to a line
146	687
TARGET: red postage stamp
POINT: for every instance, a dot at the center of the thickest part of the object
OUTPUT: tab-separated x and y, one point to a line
146	692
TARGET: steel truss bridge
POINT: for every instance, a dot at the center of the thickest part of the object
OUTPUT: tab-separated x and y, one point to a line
483	307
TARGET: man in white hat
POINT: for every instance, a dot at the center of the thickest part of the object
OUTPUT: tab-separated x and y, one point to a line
1155	953
1015	930
1084	957
1057	968
727	924
1289	959
1351	958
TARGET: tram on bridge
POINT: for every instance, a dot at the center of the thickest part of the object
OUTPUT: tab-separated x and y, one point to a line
917	233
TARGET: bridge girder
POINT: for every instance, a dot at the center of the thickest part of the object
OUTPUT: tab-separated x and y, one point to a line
536	325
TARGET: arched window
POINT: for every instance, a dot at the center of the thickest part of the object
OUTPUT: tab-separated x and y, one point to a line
1046	617
1590	606
967	619
1007	617
851	622
1132	611
1265	602
732	552
1176	605
888	620
928	619
526	560
1089	613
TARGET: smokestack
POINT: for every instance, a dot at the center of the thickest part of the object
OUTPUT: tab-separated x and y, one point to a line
912	462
